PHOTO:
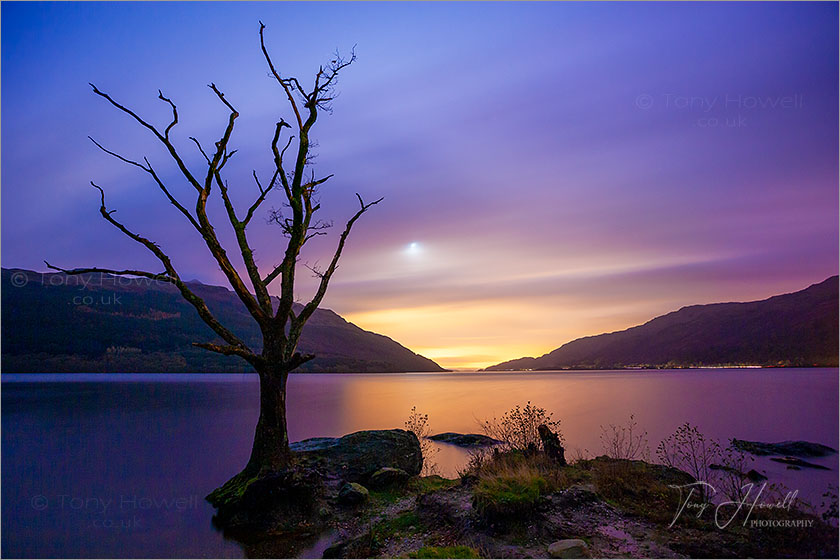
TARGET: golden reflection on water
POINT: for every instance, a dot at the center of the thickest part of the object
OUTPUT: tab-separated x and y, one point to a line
764	405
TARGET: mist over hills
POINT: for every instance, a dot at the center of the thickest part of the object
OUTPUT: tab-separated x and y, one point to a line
102	323
796	329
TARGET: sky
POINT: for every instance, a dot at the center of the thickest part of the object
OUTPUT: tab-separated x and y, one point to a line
550	170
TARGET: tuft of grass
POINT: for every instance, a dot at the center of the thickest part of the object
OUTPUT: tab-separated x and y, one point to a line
508	486
459	551
509	495
426	484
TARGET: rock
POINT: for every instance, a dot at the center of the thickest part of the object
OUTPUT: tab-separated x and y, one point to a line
752	474
445	507
789	448
568	548
353	493
755	476
282	499
551	444
465	440
798	463
388	477
362	546
575	496
357	456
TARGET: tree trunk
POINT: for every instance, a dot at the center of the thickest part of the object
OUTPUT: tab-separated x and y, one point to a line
271	452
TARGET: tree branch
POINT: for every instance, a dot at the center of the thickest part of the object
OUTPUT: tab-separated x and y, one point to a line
161	276
309	308
228	350
284	83
171	273
163	138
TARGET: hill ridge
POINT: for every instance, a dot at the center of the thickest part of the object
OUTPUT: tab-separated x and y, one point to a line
799	328
101	323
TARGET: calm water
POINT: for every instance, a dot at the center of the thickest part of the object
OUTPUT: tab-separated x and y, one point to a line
117	466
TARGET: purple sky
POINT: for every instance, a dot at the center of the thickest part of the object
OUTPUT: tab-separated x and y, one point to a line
562	169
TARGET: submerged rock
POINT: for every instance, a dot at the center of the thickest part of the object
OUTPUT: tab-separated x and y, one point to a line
788	448
568	548
793	461
465	440
357	456
755	476
752	474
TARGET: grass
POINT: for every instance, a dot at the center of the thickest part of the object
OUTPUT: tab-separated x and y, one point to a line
445	552
407	522
426	484
511	494
637	487
508	486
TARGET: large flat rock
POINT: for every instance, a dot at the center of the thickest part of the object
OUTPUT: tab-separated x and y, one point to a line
357	456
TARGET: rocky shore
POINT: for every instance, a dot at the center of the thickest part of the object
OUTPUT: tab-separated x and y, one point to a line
360	496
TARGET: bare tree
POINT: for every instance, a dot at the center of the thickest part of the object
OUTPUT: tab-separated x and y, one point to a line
279	322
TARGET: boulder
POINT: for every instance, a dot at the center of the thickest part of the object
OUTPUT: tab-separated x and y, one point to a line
281	500
568	548
353	493
388	477
465	440
357	456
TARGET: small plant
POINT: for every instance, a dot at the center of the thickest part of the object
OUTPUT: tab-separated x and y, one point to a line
517	428
419	425
687	449
625	442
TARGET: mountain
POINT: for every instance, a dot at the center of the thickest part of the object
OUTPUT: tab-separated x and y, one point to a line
798	329
104	323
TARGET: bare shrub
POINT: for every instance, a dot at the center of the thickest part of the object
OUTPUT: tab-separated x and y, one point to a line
688	450
419	425
579	455
517	428
625	441
479	457
732	474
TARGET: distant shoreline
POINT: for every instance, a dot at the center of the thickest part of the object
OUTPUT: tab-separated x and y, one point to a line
8	376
